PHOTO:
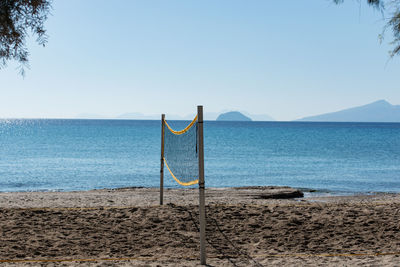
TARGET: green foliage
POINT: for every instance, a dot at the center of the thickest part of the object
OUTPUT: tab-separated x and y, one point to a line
394	25
18	18
376	3
392	8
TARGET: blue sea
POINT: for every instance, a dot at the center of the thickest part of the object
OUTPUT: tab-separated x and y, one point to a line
68	155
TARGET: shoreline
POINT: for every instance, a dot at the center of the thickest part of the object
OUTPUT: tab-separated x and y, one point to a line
307	191
145	196
149	197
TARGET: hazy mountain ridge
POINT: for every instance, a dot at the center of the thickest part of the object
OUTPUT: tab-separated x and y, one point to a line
233	116
378	111
211	116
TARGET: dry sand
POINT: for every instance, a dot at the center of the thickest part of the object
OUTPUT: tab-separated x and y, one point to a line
245	227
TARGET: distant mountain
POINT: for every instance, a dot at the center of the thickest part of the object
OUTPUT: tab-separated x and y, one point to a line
379	111
258	117
233	116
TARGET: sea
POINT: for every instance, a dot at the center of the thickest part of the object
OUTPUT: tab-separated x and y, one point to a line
325	157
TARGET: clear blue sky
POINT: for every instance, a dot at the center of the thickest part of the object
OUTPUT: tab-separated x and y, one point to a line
286	58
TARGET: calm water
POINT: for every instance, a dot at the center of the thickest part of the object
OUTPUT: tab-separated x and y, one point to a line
86	154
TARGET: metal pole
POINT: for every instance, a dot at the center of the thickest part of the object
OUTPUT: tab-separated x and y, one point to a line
202	208
162	160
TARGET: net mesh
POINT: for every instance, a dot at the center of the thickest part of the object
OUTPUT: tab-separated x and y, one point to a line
180	153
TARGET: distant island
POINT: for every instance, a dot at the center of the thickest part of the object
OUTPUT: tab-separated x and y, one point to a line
233	116
378	111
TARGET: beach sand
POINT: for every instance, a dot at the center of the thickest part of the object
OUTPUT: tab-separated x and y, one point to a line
245	227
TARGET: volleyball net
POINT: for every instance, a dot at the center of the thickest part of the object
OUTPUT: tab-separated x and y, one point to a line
181	153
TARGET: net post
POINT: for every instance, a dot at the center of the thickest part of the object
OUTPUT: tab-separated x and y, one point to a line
162	160
202	209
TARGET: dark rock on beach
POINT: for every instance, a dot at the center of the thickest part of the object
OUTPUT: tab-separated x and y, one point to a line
271	192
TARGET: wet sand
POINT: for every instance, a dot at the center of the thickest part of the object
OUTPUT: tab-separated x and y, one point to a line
245	227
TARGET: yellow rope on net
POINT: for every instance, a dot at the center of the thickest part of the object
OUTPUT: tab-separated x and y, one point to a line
177	180
165	161
184	130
